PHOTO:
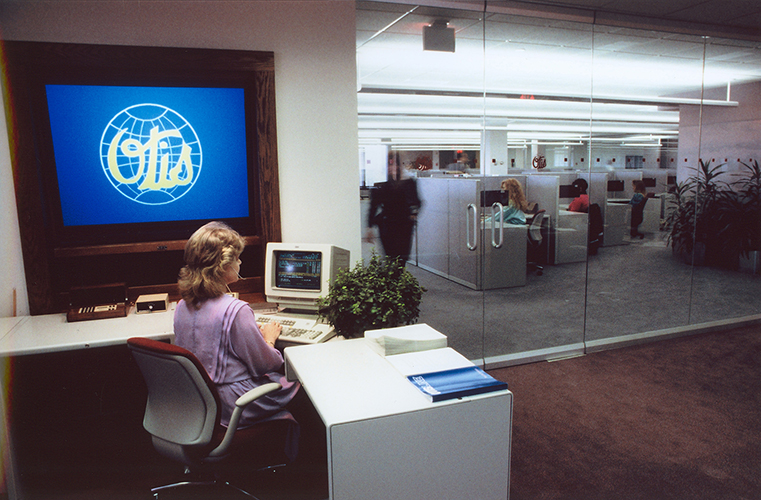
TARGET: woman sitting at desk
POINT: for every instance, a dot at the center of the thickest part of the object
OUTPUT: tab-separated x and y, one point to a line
581	202
222	332
513	201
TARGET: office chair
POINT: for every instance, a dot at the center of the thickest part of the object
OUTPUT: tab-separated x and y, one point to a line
596	229
638	215
183	411
535	240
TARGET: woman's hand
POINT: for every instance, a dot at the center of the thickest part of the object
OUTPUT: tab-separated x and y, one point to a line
271	332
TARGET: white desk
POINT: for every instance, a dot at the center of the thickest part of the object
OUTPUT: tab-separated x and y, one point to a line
617	222
571	237
385	440
505	266
52	333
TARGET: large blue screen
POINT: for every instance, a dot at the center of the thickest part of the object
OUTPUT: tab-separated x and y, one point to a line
148	154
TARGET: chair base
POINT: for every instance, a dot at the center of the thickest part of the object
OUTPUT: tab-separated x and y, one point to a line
189	484
539	270
207	480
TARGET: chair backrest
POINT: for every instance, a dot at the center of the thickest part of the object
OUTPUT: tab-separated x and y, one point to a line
535	229
183	404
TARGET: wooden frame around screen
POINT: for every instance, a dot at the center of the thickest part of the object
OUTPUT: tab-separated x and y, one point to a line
26	59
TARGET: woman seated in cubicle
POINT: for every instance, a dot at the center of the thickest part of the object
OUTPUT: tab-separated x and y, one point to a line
222	332
638	207
513	201
581	202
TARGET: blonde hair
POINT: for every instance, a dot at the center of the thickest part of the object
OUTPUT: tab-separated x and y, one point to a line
515	193
208	253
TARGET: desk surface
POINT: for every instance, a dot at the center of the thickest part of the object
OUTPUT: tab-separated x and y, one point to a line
349	381
52	333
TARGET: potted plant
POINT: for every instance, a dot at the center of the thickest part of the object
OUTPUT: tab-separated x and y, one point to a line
749	194
694	223
381	294
715	223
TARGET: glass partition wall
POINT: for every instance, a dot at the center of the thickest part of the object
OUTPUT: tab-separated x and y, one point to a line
547	102
538	112
635	286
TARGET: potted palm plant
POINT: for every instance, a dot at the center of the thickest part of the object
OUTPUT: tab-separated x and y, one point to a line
749	195
381	294
716	223
693	223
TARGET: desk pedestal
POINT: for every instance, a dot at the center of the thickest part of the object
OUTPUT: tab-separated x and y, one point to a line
453	452
385	440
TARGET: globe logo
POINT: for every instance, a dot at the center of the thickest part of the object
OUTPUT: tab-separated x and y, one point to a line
150	154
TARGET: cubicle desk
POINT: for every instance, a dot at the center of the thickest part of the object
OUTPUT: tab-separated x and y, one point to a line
652	215
505	263
617	222
385	440
571	237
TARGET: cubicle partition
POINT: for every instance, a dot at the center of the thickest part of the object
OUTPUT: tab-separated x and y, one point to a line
628	176
454	241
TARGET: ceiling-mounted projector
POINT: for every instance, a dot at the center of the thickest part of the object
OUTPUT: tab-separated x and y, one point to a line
438	36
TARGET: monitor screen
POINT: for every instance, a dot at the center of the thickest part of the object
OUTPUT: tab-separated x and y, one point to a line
569	191
131	154
488	198
298	270
297	274
615	186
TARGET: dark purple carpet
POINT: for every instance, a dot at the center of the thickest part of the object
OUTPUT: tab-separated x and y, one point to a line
676	419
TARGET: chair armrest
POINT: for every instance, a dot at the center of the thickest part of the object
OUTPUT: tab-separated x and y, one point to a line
256	393
240	404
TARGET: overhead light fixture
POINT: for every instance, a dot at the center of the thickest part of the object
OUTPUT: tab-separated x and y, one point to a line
438	36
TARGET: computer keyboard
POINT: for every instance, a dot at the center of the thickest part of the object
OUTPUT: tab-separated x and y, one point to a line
299	330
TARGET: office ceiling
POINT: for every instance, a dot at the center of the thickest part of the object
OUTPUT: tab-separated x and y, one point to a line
612	70
728	16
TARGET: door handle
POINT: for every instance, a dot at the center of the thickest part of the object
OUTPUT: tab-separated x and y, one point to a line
474	245
496	209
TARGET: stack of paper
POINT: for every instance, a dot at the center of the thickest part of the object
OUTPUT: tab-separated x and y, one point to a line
410	338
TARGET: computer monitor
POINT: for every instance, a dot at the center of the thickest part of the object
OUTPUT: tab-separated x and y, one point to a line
569	191
615	186
295	275
488	198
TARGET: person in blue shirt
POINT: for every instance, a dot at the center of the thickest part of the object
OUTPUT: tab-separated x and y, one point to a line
638	206
513	201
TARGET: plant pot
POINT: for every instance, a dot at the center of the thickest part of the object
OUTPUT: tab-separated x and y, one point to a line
697	257
751	263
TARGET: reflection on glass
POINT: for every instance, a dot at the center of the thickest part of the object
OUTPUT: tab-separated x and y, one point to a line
548	102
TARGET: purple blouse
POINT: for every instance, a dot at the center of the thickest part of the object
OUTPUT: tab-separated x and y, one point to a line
224	336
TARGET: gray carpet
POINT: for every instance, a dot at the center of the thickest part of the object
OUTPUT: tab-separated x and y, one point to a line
627	289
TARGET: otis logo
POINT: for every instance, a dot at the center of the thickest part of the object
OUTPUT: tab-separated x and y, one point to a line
151	154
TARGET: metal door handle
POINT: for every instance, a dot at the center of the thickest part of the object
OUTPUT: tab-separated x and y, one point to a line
474	245
498	206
